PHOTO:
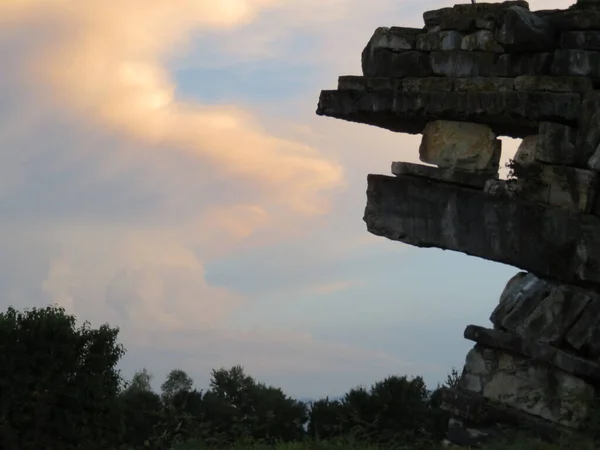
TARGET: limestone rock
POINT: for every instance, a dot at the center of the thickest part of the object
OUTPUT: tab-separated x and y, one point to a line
462	63
460	177
490	414
518	64
553	84
461	145
536	351
483	84
582	40
396	39
500	188
465	15
441	41
540	310
514	114
584	335
574	19
576	63
482	40
526	152
380	62
390	52
537	389
588	134
524	31
566	187
556	145
551	242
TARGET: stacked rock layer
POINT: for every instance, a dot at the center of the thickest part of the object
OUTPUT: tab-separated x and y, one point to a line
471	74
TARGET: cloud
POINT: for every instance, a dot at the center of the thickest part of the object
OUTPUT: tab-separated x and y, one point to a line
119	194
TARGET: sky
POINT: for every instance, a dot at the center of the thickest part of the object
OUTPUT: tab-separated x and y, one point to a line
162	170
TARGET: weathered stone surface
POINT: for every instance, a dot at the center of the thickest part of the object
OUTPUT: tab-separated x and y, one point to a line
460	145
574	19
484	412
517	64
522	294
396	39
500	188
480	84
566	187
535	388
418	85
576	63
390	52
553	84
588	133
481	40
536	351
540	310
441	41
523	31
456	16
584	335
556	145
583	40
358	83
483	84
380	62
526	152
475	180
514	114
551	242
463	63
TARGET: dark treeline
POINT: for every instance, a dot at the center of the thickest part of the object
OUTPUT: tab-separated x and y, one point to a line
60	389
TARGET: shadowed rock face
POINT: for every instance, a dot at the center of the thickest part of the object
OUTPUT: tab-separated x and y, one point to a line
471	74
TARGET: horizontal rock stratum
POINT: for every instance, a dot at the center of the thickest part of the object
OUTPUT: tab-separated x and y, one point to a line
472	74
549	241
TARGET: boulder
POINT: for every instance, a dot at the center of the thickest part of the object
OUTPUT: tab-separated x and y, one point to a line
524	31
540	310
537	351
487	414
390	52
460	145
534	388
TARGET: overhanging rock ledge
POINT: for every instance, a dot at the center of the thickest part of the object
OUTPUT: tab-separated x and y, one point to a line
471	74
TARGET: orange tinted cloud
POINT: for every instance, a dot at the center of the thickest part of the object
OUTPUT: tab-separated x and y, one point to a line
106	62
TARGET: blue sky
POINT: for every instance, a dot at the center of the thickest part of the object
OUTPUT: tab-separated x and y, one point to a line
163	170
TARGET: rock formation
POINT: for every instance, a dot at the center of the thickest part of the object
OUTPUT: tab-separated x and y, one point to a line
473	73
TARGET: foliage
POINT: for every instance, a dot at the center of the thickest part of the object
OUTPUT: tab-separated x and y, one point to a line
59	383
177	381
60	390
